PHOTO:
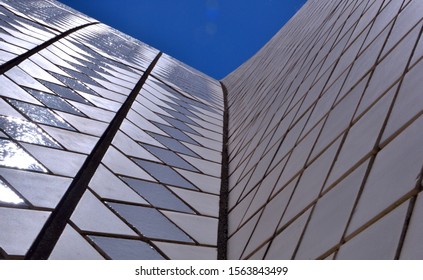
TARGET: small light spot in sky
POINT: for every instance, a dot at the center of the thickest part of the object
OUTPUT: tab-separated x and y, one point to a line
211	28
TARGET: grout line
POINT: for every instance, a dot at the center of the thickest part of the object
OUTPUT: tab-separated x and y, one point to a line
17	60
405	227
418	186
53	228
222	234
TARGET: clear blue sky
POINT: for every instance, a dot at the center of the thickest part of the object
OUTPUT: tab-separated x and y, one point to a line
213	36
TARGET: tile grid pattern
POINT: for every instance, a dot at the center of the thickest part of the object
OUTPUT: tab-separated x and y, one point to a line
324	132
160	175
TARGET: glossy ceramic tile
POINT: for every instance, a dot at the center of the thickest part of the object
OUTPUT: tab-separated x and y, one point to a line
131	148
283	245
50	157
361	138
150	222
237	241
412	248
201	229
25	131
373	243
9	111
157	195
173	144
170	158
108	186
72	246
54	102
120	164
126	249
138	134
40	114
22	226
11	90
22	78
40	190
270	218
187	252
65	92
408	105
12	155
311	183
74	84
389	70
207	167
164	174
330	217
84	125
8	196
205	183
205	204
101	219
93	112
394	174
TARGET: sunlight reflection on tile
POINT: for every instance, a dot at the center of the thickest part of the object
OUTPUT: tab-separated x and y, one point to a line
11	155
8	196
26	132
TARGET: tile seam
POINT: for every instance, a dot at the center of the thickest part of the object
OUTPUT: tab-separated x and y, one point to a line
17	60
53	228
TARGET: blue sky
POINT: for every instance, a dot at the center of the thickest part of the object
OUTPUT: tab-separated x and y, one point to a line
213	36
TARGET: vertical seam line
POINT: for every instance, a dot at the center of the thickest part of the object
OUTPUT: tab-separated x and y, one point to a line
222	239
56	223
